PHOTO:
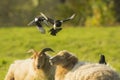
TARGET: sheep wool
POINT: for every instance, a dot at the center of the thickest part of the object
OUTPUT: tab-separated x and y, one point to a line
69	68
91	72
35	68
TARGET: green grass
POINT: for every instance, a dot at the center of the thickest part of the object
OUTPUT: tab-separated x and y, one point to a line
86	43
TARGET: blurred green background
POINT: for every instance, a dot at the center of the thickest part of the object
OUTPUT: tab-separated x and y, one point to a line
95	30
86	43
88	12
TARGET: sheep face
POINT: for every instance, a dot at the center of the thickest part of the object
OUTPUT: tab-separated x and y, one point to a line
63	58
39	60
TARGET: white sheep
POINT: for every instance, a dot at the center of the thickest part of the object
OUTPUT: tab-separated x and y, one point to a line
35	68
69	68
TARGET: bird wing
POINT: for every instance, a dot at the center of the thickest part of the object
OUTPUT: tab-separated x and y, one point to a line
43	15
53	32
31	22
41	29
50	20
71	17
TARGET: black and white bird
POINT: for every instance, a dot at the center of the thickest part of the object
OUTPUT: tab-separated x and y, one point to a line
102	60
56	23
38	22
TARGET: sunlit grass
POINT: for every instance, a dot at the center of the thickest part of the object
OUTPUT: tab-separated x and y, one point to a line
86	43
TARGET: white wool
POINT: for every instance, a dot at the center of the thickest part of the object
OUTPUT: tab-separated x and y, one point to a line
23	70
91	72
81	70
20	69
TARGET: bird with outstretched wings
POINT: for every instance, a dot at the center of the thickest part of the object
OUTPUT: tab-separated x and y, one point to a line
38	22
56	23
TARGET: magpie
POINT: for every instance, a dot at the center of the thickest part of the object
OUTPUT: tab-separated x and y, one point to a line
38	22
54	32
102	59
56	23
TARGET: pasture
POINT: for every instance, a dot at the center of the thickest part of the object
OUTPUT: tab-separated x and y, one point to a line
86	43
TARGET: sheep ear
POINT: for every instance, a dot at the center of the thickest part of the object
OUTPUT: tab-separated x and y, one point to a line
31	51
34	53
71	61
70	57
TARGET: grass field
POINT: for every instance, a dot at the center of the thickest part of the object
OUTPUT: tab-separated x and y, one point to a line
86	43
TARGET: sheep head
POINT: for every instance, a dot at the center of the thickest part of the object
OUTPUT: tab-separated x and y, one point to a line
41	57
64	59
